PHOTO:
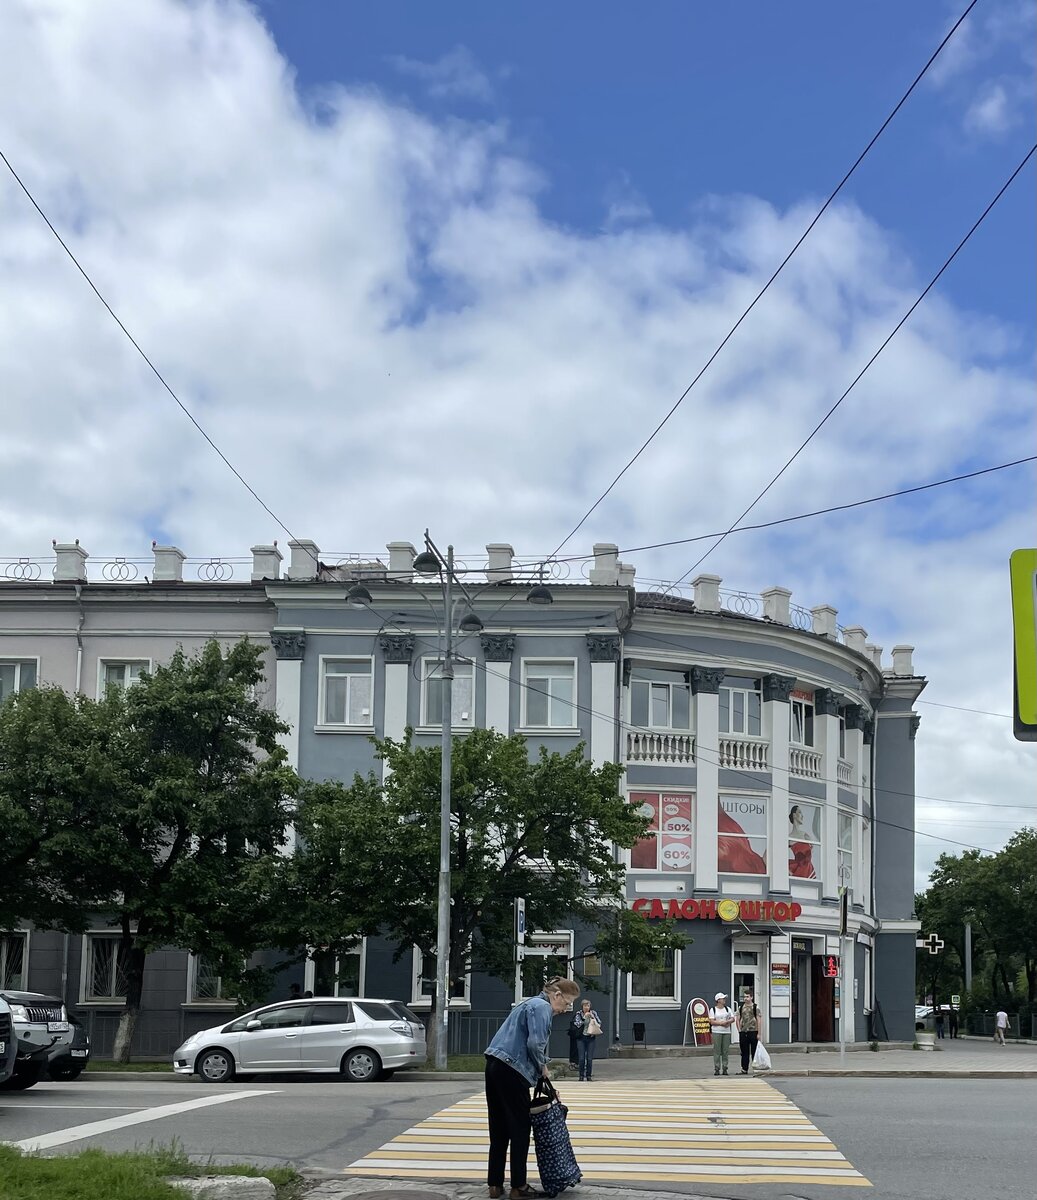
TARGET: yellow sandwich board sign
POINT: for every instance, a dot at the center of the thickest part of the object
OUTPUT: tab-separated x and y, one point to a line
1024	619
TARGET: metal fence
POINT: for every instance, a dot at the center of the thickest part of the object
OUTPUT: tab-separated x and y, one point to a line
982	1024
471	1033
155	1036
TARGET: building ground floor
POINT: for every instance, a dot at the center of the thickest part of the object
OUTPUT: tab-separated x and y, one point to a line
794	967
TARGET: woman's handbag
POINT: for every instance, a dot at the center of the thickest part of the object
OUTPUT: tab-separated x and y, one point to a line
556	1162
575	1028
761	1059
592	1027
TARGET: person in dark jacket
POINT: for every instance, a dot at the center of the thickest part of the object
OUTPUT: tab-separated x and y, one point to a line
747	1022
515	1059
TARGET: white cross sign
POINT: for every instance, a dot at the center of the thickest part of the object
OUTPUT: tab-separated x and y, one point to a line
934	943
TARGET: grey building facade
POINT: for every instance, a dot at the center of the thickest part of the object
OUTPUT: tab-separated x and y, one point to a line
772	750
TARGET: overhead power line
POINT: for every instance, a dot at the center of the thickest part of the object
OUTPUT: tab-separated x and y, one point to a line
781	266
895	330
136	345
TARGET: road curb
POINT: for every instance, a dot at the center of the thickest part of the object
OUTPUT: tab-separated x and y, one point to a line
835	1073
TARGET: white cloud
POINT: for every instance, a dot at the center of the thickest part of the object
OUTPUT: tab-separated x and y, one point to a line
374	319
454	76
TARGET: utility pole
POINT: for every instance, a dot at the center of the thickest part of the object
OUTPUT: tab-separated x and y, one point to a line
968	956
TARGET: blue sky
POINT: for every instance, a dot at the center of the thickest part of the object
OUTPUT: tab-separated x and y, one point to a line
662	109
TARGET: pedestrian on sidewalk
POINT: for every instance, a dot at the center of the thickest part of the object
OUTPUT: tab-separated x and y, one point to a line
1000	1025
515	1059
590	1028
939	1022
954	1022
747	1021
721	1018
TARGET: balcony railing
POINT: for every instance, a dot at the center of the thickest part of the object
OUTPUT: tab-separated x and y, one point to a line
844	772
804	763
673	748
744	754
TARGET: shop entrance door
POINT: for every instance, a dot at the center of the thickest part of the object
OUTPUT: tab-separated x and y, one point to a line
747	973
822	1003
801	988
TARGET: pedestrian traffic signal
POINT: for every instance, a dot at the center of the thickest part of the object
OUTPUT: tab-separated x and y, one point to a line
831	966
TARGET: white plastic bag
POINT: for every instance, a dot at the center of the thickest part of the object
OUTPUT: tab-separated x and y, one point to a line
761	1059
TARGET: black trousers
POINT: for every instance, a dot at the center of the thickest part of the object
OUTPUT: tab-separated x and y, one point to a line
747	1042
507	1106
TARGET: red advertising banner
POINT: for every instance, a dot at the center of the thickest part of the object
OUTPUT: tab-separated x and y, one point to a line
699	1012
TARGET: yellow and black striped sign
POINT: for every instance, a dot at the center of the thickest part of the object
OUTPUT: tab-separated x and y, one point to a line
733	1130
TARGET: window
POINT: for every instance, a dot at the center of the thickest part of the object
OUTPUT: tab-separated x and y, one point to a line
347	686
120	674
16	675
12	961
804	839
549	694
667	846
273	1018
204	982
423	985
105	978
331	1014
842	735
328	975
547	955
742	834
660	700
845	848
462	694
741	706
659	987
802	731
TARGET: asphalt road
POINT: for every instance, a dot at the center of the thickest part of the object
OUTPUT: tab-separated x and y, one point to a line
913	1139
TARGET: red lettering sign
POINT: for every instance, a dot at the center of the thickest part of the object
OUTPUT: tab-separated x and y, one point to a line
658	909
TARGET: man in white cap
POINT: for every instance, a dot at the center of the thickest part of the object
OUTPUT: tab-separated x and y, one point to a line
721	1018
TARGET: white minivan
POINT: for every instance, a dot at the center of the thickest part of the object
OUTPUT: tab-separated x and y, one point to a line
359	1039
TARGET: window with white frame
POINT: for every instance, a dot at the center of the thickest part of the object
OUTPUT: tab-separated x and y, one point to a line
13	961
801	732
846	820
423	984
103	975
16	674
205	984
667	845
347	689
659	987
741	705
660	699
549	693
548	955
842	735
804	839
328	974
462	694
120	673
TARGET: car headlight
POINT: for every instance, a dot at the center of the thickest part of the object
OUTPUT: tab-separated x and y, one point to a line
19	1012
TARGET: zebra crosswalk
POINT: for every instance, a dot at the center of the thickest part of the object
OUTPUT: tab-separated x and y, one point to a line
737	1131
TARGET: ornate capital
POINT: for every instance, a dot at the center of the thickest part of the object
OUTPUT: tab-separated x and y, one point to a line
396	647
826	703
603	647
288	643
868	725
498	647
853	715
778	687
916	720
706	680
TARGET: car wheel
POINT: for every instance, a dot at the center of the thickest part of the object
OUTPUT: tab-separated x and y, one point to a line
20	1081
65	1074
361	1066
214	1066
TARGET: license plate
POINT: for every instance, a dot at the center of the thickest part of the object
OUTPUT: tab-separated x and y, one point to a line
3	1047
79	1054
57	1027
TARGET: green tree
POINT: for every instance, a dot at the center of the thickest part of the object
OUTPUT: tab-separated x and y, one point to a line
543	829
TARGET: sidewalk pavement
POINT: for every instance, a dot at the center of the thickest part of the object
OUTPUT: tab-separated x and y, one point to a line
421	1189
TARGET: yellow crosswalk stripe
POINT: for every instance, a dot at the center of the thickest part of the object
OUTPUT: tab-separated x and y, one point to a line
680	1131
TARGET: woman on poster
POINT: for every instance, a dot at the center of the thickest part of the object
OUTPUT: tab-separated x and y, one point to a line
801	853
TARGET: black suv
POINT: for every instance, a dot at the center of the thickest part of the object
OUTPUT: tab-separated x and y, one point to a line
40	1024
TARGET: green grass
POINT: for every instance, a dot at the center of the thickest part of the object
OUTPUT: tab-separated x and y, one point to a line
95	1175
460	1062
106	1064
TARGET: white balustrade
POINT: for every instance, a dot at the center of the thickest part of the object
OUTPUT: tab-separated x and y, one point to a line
676	748
744	754
844	772
804	763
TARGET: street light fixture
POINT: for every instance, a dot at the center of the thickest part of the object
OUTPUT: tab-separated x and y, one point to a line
431	562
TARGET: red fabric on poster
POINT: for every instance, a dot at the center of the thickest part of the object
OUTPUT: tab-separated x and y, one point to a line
734	853
801	864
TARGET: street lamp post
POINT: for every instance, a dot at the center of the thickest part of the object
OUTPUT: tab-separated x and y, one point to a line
432	562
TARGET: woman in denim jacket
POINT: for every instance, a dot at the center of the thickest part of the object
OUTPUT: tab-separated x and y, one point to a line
515	1059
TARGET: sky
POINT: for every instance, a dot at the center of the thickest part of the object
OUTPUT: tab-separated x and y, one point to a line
420	265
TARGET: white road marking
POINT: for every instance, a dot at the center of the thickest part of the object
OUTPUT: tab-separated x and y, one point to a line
76	1133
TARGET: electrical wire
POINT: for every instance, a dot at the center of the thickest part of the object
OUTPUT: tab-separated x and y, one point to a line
896	329
136	345
781	266
982	712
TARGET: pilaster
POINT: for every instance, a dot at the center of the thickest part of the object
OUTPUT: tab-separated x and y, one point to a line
498	650
705	687
776	692
289	647
826	739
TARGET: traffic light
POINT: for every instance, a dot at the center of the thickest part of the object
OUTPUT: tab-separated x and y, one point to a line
831	966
